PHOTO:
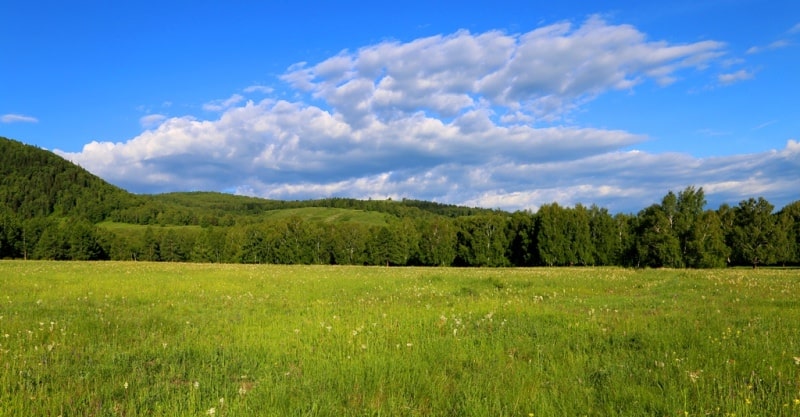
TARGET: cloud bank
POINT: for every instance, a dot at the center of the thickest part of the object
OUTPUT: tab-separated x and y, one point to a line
476	119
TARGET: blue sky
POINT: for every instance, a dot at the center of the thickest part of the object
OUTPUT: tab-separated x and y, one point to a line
496	104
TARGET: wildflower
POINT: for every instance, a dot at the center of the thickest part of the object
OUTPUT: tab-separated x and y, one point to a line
125	385
695	375
196	384
797	401
211	411
748	401
797	360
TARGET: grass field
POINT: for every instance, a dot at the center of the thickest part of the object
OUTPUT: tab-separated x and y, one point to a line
133	339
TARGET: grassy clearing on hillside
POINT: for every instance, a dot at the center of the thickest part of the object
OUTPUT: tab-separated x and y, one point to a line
116	226
330	215
128	339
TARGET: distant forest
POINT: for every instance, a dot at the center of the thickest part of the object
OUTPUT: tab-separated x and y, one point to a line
53	209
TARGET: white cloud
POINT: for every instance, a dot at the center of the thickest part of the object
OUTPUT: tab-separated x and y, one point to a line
454	118
765	124
151	120
795	29
224	104
259	89
735	77
781	43
18	118
545	72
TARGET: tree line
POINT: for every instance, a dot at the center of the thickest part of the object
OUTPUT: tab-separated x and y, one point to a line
677	232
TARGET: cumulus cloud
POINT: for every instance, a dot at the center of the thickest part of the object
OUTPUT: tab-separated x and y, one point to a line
462	118
18	118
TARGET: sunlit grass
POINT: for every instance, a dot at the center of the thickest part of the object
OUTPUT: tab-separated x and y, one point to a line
127	339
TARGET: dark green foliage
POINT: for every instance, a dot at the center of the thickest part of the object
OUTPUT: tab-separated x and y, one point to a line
605	237
208	247
349	244
437	241
521	234
37	183
482	240
564	236
82	240
73	239
386	247
656	243
756	238
705	244
10	234
551	241
789	221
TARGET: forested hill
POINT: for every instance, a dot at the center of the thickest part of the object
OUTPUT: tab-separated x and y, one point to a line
38	183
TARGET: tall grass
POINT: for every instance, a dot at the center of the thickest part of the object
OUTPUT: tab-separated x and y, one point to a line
130	339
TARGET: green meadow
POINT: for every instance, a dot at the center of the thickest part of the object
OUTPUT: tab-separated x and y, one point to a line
159	339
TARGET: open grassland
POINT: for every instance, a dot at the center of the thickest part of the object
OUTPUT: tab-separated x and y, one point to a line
131	339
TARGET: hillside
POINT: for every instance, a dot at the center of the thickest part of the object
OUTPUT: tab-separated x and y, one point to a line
38	183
